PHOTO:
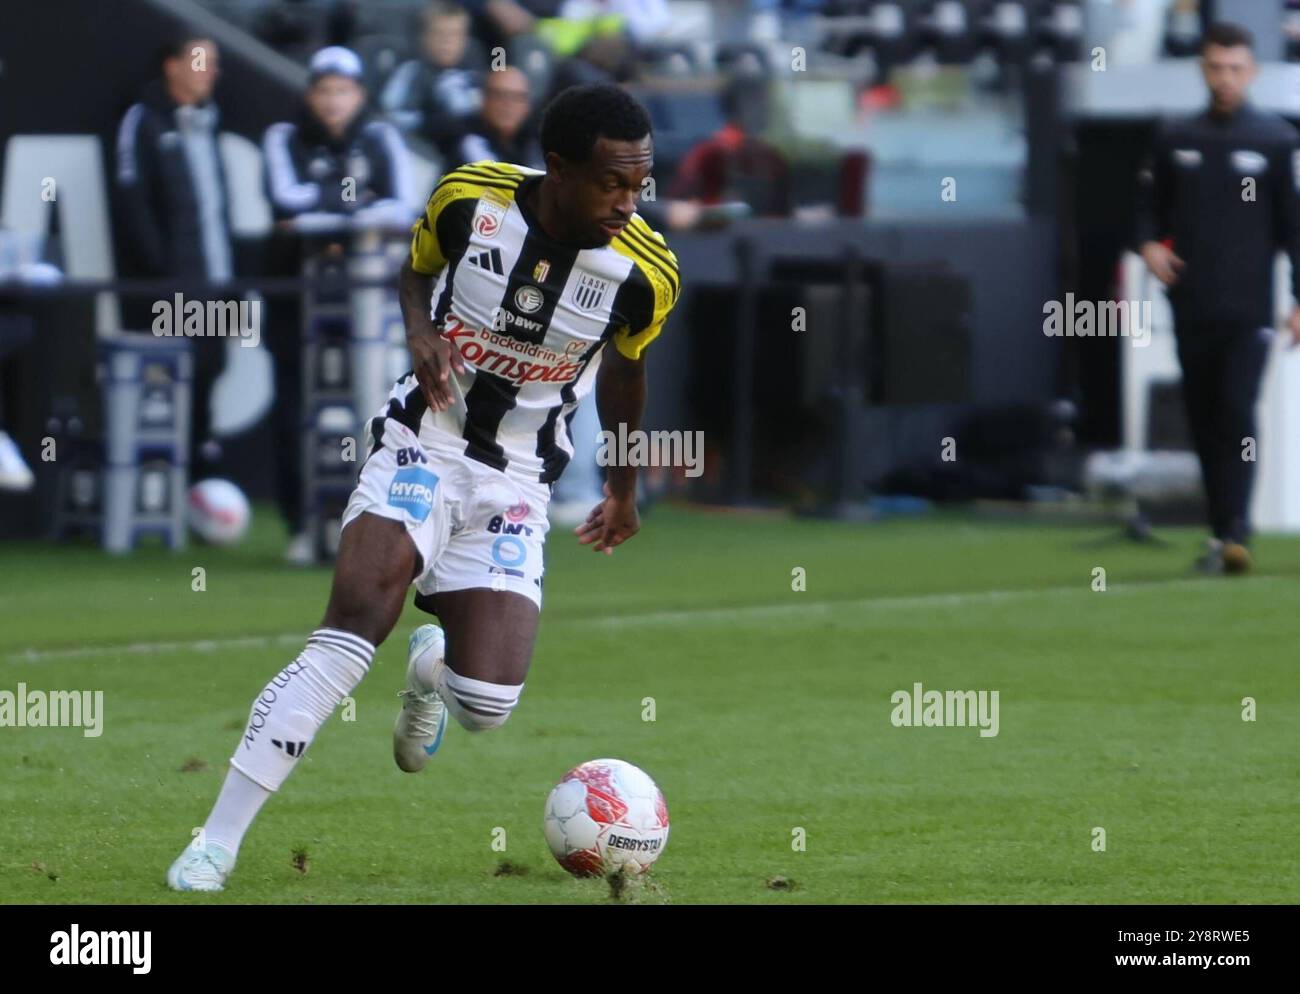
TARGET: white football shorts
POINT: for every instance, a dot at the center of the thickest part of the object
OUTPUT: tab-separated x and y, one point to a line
472	525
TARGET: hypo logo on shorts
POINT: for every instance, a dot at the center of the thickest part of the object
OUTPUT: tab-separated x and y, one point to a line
412	491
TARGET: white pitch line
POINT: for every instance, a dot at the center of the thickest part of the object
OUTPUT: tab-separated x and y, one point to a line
794	607
802	609
147	648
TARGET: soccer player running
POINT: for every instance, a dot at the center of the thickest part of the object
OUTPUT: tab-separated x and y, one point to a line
518	284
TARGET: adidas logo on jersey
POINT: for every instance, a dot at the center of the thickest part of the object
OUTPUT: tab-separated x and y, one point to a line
292	748
491	261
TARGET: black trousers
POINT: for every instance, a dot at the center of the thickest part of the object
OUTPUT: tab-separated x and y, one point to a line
16	332
1222	370
283	339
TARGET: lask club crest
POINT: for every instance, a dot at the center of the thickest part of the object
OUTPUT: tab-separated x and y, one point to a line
589	291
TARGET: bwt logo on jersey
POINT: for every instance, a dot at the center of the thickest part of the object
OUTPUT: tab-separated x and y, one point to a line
412	491
519	362
501	316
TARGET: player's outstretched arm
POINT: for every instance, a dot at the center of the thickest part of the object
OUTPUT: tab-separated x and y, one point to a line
432	357
620	400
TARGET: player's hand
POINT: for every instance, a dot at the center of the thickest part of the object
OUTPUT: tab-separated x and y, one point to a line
611	522
1164	263
432	359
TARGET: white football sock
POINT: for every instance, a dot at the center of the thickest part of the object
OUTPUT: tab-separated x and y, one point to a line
476	704
237	805
283	721
426	669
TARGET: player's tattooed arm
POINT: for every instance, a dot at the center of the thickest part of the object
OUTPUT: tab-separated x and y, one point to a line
432	356
620	400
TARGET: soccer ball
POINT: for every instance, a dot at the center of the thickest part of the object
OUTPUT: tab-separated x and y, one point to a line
218	511
606	815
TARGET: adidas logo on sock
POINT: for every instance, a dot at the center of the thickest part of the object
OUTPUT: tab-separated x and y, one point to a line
490	261
292	748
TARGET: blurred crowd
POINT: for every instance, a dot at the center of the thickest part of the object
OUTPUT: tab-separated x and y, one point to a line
455	81
343	164
468	80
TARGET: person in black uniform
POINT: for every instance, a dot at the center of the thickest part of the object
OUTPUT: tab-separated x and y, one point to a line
1218	198
172	206
332	172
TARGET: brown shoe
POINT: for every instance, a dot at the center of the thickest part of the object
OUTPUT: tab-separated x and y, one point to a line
1236	558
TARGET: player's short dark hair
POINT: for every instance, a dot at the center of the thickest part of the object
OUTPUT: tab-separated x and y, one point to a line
580	115
1226	35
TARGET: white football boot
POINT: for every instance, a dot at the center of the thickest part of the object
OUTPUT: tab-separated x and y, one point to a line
205	868
423	718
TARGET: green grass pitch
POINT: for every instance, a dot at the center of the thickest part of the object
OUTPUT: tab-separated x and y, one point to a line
1119	710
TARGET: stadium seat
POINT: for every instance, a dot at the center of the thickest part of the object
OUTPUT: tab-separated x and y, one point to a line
250	211
81	199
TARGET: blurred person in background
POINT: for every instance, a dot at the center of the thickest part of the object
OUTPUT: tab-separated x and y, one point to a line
642	20
438	94
172	202
589	53
336	167
503	22
1219	196
501	131
333	171
736	163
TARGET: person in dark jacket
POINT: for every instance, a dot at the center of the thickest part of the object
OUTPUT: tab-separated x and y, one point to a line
436	95
172	200
1219	198
336	168
501	131
330	173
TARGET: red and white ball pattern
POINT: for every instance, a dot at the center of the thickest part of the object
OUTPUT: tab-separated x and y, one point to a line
218	511
606	815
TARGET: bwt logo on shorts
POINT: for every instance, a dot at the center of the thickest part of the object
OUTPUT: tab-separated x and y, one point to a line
499	527
412	491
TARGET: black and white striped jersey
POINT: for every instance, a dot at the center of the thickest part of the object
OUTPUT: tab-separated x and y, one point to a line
529	316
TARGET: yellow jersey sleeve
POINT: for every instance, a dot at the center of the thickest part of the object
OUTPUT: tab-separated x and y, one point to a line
655	267
442	232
